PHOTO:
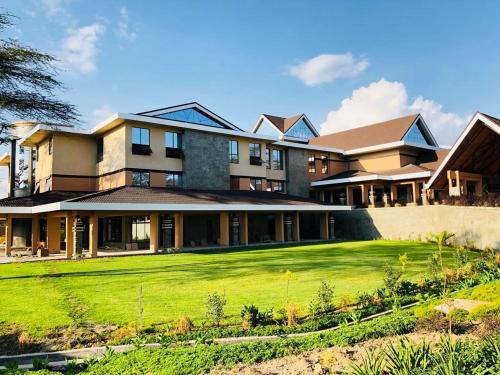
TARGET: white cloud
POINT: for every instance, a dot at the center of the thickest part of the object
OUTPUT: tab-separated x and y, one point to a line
327	68
54	7
384	100
100	114
123	30
79	50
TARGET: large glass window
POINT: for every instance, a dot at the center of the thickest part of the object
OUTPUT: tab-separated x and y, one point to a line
312	163
173	180
173	140
415	135
140	136
324	164
256	184
268	158
277	159
140	179
114	229
233	152
254	149
193	116
100	149
300	130
278	186
139	228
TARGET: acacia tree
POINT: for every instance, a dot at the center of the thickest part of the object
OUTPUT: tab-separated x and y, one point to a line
28	83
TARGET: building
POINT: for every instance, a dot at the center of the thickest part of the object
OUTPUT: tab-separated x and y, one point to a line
185	177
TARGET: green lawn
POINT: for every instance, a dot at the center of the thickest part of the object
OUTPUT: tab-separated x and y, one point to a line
45	295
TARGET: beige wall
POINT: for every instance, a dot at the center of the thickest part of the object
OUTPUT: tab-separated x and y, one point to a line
376	161
243	168
44	162
74	155
114	151
113	180
479	224
335	165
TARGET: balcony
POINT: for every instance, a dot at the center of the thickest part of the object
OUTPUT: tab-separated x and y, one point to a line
171	152
255	160
138	149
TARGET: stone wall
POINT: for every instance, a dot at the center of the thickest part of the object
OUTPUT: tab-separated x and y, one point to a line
296	171
478	224
206	161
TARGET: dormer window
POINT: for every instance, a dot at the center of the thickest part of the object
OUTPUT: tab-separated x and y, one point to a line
140	141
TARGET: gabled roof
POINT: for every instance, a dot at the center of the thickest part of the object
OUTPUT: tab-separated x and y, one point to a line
194	106
477	150
370	135
284	124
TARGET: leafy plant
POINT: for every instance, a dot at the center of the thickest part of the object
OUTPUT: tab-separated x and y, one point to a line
40	364
391	279
404	357
292	313
214	304
372	363
184	325
249	316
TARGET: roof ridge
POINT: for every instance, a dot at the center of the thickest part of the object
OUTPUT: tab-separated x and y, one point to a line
374	124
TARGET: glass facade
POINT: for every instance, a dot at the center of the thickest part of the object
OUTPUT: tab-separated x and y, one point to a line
173	140
193	116
140	136
415	135
139	228
140	179
300	130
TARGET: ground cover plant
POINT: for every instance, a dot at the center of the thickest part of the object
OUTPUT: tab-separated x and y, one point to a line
102	294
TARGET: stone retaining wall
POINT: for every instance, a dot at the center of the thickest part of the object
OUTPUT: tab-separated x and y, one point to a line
478	224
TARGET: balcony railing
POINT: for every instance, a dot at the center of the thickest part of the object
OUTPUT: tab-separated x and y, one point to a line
171	152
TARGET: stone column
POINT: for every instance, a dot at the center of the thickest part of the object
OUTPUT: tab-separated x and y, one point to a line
372	196
414	192
70	240
179	230
280	229
93	234
244	228
423	195
153	231
296	226
224	228
323	225
8	236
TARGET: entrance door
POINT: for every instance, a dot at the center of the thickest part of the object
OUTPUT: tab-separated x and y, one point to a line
357	197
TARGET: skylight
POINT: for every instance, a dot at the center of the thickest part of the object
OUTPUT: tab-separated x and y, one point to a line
300	130
193	116
415	135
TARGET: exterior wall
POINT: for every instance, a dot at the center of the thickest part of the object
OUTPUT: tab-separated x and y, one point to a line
206	161
114	143
479	224
74	183
157	160
296	170
113	180
377	161
244	168
336	164
74	155
44	163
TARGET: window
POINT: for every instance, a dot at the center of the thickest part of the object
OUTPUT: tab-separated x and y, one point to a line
193	116
140	136
140	141
255	154
235	183
279	186
100	149
417	135
173	140
300	130
256	184
173	180
233	152
51	145
278	159
140	179
114	229
312	163
324	164
139	228
268	158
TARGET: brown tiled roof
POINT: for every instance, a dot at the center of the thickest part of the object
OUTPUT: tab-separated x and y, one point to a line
365	136
432	159
130	194
42	198
282	123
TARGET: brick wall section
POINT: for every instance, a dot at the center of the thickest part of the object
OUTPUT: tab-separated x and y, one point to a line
479	224
297	173
206	161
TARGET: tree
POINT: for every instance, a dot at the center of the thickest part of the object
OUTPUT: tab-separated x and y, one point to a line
28	83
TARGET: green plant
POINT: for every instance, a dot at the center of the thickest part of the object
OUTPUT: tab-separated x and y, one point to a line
289	276
323	303
404	357
391	279
292	314
449	359
372	363
214	304
40	364
365	300
11	365
249	316
403	260
461	256
184	325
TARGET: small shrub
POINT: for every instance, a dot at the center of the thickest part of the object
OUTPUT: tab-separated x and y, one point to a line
184	325
24	340
461	256
404	357
345	302
292	314
40	364
323	303
372	363
458	315
249	316
214	304
365	300
391	279
434	322
481	311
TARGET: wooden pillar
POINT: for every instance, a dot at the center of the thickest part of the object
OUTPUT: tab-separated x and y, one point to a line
224	228
414	191
296	227
153	231
280	227
93	233
53	234
179	230
394	193
35	232
348	196
364	195
244	228
323	225
70	239
8	236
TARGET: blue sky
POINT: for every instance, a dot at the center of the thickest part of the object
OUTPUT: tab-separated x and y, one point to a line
343	63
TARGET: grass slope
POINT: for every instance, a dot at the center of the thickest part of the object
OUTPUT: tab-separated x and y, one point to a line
45	295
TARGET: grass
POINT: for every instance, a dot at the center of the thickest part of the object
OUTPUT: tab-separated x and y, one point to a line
45	295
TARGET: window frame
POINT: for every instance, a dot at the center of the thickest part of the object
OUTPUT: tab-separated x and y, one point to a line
252	150
253	182
324	164
100	149
234	183
176	139
268	157
312	163
234	157
279	183
277	164
142	175
176	178
140	136
117	229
